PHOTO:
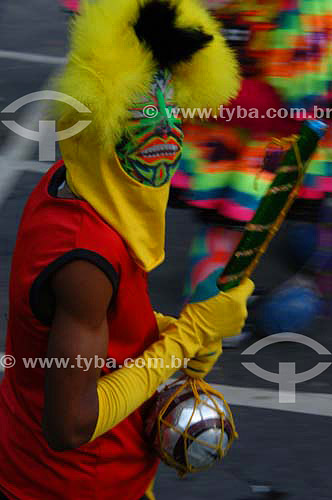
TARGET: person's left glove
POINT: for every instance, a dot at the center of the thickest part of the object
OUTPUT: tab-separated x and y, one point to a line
204	361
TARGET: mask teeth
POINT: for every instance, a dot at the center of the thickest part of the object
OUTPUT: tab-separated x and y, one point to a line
161	149
157	155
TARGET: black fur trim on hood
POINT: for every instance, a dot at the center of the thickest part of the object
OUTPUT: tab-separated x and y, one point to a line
170	45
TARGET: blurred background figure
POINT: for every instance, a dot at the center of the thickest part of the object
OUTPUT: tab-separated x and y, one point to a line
285	49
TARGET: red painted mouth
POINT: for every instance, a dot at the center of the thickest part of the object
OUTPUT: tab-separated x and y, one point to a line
158	149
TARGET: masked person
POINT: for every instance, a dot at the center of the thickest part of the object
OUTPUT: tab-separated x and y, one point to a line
91	230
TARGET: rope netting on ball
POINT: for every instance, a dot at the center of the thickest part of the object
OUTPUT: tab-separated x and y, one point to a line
204	396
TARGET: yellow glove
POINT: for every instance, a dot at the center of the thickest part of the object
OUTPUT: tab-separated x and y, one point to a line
123	391
221	316
164	322
200	324
204	361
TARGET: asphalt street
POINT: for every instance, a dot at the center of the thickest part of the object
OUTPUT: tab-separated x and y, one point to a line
288	447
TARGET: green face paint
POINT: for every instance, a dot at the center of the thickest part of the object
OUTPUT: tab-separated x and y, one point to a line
151	149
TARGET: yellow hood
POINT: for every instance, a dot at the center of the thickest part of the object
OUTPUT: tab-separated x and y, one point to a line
108	68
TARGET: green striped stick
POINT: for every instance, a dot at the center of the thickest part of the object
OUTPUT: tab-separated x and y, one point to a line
274	206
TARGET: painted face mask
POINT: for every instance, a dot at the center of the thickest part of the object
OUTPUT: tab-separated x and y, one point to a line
150	151
129	187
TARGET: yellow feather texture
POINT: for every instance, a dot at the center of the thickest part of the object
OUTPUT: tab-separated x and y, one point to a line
108	67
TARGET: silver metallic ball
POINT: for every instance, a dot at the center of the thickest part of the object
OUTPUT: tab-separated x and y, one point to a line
203	426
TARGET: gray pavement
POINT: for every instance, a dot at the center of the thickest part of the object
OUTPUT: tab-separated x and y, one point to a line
287	449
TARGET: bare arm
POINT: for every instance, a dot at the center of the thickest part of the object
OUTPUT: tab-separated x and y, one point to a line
83	294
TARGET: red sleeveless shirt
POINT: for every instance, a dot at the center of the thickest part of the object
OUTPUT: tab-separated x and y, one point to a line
119	464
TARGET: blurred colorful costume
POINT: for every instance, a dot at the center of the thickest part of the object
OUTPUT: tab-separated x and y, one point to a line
285	50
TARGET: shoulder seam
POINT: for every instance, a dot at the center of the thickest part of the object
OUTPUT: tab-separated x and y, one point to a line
43	278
